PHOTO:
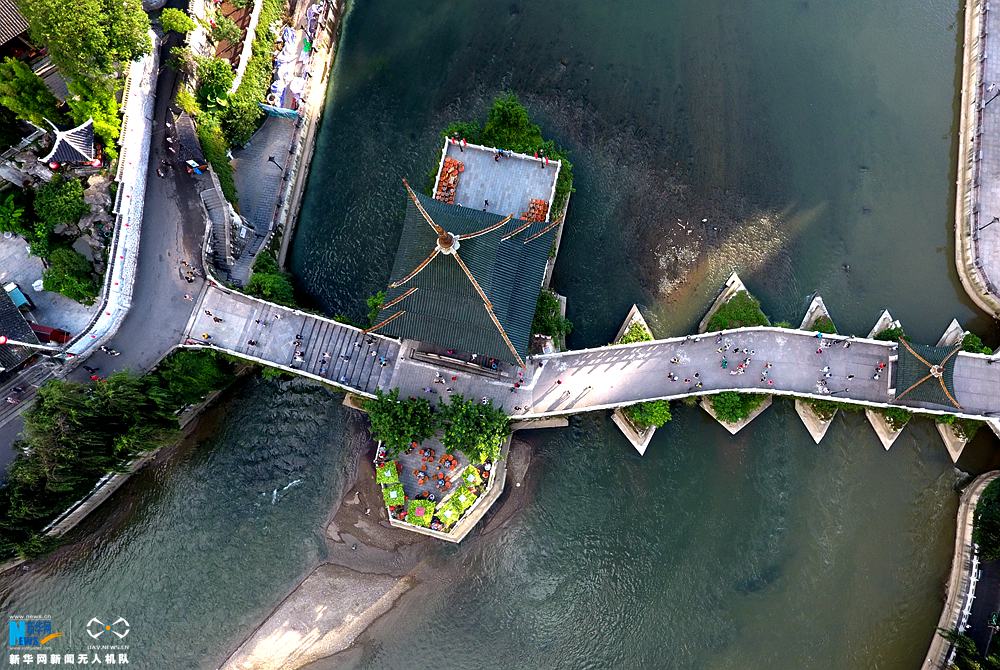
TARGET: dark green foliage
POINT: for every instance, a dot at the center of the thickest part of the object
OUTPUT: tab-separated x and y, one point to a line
12	219
654	413
896	416
374	303
741	311
60	202
176	20
986	522
97	101
782	324
267	281
242	115
226	30
891	335
965	428
72	275
215	76
25	94
824	325
548	317
399	423
973	344
75	433
216	149
636	332
733	407
474	428
89	39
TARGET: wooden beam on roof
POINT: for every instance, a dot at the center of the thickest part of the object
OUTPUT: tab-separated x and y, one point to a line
487	229
544	230
424	263
423	212
398	298
384	322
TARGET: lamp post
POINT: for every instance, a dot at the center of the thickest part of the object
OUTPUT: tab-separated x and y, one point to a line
272	159
840	391
987	225
17	343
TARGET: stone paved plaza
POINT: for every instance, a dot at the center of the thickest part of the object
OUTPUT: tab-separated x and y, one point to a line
509	184
988	178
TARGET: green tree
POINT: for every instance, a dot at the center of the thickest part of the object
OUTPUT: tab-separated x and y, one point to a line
891	335
733	407
12	217
741	311
474	428
374	303
399	423
974	344
60	202
986	522
226	30
508	126
216	149
267	281
187	376
176	20
90	100
896	416
548	318
89	39
652	414
636	332
71	274
824	324
24	93
215	76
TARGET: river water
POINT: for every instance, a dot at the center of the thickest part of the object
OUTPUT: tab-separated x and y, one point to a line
809	136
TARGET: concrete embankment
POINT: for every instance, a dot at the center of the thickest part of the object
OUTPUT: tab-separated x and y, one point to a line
971	189
961	582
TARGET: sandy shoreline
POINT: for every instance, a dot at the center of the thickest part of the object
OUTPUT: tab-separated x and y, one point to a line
370	567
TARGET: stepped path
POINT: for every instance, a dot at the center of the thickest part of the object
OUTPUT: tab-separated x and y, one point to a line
579	381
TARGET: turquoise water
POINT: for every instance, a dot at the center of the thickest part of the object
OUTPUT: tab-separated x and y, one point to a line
810	136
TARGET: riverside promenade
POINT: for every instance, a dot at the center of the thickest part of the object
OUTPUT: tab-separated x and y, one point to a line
977	207
585	380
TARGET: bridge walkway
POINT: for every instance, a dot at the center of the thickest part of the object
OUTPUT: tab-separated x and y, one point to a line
360	362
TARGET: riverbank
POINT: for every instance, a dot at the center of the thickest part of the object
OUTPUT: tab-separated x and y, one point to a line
969	248
962	582
369	569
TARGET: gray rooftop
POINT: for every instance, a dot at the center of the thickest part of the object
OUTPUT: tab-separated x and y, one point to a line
12	23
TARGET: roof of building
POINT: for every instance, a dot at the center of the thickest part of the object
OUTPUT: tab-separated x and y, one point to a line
14	326
75	145
441	304
924	374
12	23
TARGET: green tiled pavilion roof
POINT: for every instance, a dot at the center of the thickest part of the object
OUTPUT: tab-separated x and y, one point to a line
445	309
911	370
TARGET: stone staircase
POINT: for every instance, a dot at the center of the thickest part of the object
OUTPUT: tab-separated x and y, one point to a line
219	214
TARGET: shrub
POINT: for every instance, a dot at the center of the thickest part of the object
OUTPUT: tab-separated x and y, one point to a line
474	428
176	20
652	414
215	76
891	335
374	303
986	522
733	407
895	416
636	332
399	423
97	101
188	376
267	281
824	324
187	101
741	311
71	274
226	30
973	344
216	149
242	116
12	217
824	409
782	324
60	202
548	317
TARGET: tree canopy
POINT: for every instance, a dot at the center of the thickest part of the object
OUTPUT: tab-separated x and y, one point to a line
733	407
652	414
89	39
24	93
398	423
986	522
176	20
71	274
474	428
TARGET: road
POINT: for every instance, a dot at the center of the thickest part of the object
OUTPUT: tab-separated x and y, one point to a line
172	230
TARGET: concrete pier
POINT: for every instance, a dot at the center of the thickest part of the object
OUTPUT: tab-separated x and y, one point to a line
814	423
639	438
